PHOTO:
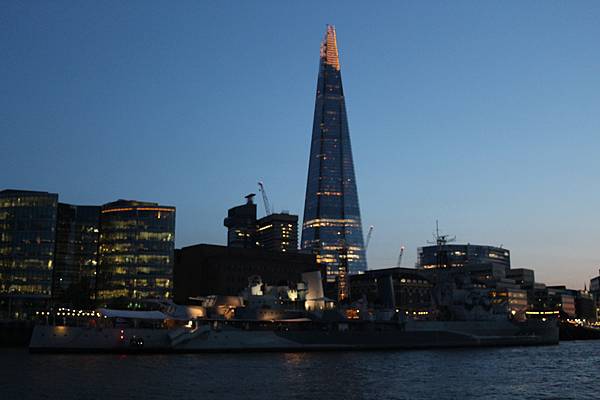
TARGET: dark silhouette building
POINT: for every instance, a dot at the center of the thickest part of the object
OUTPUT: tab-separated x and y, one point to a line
205	269
595	292
136	257
241	224
278	232
76	258
274	232
27	245
405	289
332	227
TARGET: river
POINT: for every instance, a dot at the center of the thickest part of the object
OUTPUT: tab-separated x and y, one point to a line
570	370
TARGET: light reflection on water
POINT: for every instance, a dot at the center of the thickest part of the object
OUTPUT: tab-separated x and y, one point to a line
568	371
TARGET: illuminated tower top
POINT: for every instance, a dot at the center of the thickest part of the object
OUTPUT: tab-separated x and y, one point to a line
329	50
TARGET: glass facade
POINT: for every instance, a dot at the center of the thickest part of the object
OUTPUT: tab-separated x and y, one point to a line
76	259
27	243
137	242
459	255
332	227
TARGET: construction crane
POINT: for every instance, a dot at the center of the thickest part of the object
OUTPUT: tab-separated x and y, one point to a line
261	188
369	234
399	264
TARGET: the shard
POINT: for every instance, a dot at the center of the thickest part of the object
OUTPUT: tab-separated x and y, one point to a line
332	227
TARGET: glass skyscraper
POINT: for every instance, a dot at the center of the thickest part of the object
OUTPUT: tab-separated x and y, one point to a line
137	245
332	227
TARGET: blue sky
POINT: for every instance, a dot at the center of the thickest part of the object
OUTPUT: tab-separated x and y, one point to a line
483	115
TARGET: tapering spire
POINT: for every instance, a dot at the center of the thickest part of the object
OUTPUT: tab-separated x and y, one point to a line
329	50
332	227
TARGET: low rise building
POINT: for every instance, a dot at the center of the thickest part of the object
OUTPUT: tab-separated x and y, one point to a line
206	269
403	288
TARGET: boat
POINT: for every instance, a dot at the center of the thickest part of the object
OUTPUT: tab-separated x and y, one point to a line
140	332
262	318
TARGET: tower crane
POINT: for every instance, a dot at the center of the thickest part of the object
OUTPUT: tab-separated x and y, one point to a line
261	188
399	264
369	234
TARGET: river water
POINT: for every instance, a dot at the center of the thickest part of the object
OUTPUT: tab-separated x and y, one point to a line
570	370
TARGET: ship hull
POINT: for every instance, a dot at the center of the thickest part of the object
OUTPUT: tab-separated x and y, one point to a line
286	337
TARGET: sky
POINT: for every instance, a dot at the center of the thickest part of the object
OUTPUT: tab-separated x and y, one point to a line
482	115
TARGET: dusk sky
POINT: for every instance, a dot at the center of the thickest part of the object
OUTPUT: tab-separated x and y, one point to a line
483	115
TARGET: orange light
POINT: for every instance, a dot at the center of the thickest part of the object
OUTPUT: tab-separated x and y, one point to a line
110	210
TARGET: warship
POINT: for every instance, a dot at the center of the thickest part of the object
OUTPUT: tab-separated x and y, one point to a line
259	320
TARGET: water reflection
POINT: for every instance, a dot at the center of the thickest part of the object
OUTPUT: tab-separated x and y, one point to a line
565	371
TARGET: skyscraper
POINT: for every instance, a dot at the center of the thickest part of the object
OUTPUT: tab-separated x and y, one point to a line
332	227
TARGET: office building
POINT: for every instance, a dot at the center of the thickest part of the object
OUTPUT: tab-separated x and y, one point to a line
405	289
274	232
563	299
522	276
136	253
278	232
27	244
332	227
444	255
76	258
241	224
595	292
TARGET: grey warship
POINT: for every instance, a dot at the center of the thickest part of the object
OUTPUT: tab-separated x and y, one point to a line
259	320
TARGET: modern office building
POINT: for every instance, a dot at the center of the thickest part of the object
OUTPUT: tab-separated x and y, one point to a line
241	224
458	255
278	232
136	253
27	245
274	232
332	227
563	299
522	276
206	269
76	258
405	289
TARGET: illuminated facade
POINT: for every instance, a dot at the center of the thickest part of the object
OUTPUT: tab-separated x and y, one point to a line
136	253
76	258
278	232
459	255
27	243
332	226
